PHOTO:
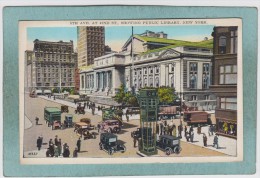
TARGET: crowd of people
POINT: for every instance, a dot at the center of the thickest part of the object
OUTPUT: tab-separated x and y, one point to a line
57	149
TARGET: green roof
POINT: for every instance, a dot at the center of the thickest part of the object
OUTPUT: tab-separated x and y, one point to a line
51	109
202	44
158	40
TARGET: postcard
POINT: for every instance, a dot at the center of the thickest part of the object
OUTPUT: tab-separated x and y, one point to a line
131	91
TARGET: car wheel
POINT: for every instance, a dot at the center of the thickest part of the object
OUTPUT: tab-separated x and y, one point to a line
115	130
110	151
123	148
168	151
177	149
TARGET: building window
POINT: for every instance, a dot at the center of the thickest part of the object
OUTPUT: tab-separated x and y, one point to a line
228	74
193	75
151	70
228	103
222	44
172	69
145	82
233	42
194	97
205	76
157	82
82	81
145	71
157	69
151	82
172	81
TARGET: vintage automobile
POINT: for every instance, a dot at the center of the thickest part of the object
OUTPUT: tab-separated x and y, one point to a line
82	127
111	126
64	108
68	122
56	125
52	116
196	117
80	109
169	144
87	134
108	142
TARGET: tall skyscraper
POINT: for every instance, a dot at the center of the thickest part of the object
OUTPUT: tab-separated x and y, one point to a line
91	44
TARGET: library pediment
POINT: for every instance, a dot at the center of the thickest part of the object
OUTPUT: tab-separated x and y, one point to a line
170	54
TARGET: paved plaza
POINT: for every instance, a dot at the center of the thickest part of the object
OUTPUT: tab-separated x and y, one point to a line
34	107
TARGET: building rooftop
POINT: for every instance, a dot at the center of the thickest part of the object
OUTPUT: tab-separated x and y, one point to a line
176	43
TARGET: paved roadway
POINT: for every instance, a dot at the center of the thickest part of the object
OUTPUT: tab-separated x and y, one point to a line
35	107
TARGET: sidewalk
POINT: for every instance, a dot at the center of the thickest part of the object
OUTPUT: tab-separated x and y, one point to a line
226	145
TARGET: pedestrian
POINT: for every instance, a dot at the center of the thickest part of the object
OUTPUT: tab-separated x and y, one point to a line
180	128
37	120
215	141
59	146
205	140
51	147
39	143
48	154
64	147
56	151
185	130
199	129
54	97
210	130
191	136
135	140
75	153
66	152
79	144
191	129
93	110
56	140
174	131
127	115
50	142
161	128
187	136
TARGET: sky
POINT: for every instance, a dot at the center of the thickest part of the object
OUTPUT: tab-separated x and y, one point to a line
116	36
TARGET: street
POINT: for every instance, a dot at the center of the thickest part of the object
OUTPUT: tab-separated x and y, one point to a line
34	107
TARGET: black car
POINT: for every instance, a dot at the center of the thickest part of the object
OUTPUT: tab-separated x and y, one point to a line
169	144
108	142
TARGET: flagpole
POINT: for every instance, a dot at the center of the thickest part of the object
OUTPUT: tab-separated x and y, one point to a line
132	58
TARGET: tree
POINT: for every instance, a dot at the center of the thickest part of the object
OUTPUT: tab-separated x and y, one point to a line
166	94
125	97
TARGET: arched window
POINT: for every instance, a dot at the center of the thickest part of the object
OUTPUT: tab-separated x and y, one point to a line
222	43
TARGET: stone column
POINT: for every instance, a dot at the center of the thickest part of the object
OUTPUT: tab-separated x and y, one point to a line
101	81
107	79
166	75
